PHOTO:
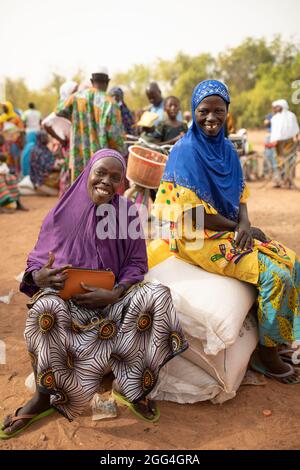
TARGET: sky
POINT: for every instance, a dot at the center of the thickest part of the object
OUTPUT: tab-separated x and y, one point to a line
45	36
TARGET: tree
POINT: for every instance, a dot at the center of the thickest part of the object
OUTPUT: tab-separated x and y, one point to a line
134	82
239	65
192	72
56	82
256	72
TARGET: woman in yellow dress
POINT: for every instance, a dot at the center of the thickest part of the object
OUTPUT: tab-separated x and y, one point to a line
204	173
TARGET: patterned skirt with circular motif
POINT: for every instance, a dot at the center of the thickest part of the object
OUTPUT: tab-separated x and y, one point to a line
71	347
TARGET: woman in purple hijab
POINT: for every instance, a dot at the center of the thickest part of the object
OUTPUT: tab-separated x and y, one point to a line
131	330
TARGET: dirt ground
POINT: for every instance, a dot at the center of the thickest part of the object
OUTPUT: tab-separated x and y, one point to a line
237	424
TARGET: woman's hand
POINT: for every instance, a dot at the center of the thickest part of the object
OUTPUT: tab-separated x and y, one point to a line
259	235
48	277
96	297
244	239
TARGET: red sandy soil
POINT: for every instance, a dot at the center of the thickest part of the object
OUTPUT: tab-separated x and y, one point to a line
237	424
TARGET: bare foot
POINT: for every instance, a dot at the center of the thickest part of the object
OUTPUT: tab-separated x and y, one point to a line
20	207
147	408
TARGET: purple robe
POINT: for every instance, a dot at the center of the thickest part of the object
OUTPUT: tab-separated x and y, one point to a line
70	232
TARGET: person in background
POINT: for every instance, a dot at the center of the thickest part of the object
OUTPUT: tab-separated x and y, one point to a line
25	156
156	101
270	161
60	130
9	193
170	129
44	171
96	122
65	91
284	136
9	115
127	116
154	95
187	116
229	127
12	127
32	119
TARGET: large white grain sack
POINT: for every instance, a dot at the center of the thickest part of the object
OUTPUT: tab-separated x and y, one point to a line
182	381
213	306
229	366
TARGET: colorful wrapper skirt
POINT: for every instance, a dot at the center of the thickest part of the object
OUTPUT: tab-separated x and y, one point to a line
278	302
72	347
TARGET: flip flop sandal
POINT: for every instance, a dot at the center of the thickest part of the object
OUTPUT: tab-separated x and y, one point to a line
289	377
33	419
286	356
132	406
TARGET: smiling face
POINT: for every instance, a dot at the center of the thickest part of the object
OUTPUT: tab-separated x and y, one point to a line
211	114
104	180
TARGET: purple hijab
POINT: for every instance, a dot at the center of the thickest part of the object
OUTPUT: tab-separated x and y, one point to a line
69	231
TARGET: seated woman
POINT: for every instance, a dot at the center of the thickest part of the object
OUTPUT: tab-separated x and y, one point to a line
132	329
203	170
44	173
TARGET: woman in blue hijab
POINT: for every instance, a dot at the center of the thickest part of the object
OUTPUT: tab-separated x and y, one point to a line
203	176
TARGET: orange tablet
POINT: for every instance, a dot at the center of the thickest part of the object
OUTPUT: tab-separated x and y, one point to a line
92	277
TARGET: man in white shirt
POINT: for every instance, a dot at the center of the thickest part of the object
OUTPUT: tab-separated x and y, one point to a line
32	119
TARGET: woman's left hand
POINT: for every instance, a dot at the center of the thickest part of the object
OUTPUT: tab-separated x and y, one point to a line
244	239
96	297
258	234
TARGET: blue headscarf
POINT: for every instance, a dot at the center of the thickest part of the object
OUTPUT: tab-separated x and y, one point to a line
208	165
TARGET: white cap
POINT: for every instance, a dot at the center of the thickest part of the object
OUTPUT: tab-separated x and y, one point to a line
103	70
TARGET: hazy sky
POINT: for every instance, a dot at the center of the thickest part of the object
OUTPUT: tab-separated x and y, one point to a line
43	36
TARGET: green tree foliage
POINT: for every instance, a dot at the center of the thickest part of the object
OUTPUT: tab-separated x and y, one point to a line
239	66
20	95
257	73
192	71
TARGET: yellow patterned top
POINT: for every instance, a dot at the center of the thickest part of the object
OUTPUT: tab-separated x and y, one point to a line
212	250
172	199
